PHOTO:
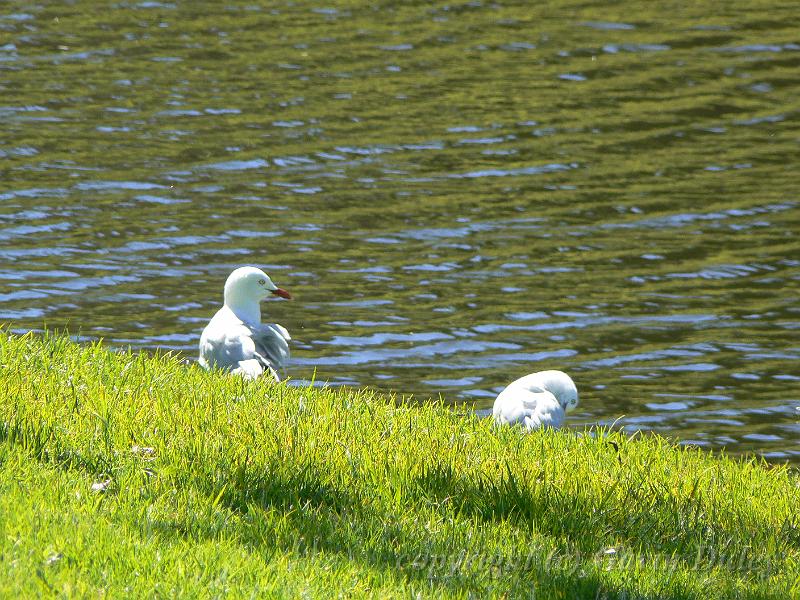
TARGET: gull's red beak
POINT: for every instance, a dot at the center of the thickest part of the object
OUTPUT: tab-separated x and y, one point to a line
282	293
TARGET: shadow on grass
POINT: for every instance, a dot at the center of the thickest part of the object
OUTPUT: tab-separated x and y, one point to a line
317	517
684	540
322	518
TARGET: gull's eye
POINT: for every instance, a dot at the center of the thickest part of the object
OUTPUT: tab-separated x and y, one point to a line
261	282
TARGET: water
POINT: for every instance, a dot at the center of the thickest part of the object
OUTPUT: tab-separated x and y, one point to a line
456	194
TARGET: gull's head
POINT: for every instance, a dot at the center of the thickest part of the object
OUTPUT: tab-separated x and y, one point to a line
561	386
250	284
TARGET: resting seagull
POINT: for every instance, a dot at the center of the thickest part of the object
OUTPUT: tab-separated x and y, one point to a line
537	400
235	339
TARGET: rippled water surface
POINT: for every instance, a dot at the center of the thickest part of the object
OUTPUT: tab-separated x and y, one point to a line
457	194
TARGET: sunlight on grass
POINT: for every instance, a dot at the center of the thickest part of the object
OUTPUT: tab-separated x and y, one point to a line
132	474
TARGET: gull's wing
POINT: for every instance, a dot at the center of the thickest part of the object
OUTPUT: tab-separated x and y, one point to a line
544	410
531	407
248	350
272	346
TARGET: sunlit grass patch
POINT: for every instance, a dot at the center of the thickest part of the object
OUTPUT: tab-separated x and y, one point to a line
137	474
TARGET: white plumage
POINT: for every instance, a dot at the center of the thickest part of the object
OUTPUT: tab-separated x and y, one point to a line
235	339
537	400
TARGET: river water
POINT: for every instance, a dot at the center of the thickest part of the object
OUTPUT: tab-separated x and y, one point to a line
457	194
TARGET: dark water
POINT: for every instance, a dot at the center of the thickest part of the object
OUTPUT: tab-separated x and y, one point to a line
457	194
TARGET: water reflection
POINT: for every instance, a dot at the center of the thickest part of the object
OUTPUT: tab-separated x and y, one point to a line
456	195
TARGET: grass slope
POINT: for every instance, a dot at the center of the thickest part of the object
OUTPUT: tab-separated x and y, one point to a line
210	486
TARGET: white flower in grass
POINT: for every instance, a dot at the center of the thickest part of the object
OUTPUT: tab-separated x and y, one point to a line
101	486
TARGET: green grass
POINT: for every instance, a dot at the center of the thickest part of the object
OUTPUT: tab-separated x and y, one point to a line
216	486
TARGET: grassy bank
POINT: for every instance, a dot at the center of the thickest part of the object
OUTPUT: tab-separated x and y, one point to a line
207	485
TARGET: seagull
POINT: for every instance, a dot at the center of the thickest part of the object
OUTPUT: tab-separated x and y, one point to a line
537	400
235	339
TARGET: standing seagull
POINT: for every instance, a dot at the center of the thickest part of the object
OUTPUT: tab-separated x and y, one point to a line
536	400
235	339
